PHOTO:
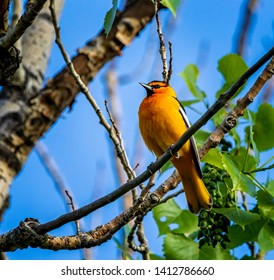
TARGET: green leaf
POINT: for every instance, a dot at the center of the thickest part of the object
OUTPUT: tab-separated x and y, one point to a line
217	253
263	127
239	235
171	218
270	187
265	204
238	216
231	66
224	161
236	137
155	257
266	237
243	159
219	117
214	157
166	166
121	246
179	247
266	201
201	136
253	144
240	180
186	103
190	75
172	5
110	16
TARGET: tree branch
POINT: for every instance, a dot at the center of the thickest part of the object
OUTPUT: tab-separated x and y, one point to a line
25	234
23	23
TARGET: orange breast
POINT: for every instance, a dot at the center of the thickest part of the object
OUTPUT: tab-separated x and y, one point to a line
161	123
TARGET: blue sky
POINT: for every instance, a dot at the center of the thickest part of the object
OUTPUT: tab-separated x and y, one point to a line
77	141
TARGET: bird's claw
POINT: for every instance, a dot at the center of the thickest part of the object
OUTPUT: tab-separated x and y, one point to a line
176	155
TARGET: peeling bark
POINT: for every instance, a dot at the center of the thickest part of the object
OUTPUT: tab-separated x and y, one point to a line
14	107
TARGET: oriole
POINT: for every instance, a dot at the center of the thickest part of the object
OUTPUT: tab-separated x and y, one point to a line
162	121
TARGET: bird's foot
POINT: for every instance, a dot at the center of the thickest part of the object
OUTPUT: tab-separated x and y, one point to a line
170	149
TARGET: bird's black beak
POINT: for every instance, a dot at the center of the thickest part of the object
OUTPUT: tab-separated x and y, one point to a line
148	88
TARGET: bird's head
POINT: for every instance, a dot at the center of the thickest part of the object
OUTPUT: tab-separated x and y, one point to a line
157	87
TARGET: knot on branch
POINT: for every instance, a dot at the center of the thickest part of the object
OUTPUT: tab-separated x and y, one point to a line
22	237
28	236
229	123
151	200
154	199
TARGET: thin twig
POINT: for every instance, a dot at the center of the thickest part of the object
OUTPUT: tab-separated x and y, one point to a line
245	25
149	58
162	49
62	187
54	172
150	184
131	175
143	240
170	62
126	165
23	23
173	195
77	224
260	169
128	200
120	151
111	82
138	228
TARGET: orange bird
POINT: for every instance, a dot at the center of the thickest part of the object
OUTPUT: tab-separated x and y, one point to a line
162	121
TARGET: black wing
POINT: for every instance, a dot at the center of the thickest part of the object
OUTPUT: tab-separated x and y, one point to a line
192	141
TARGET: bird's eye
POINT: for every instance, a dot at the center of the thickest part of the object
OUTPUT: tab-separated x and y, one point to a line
156	86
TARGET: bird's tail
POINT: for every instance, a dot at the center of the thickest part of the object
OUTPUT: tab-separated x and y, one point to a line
196	192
